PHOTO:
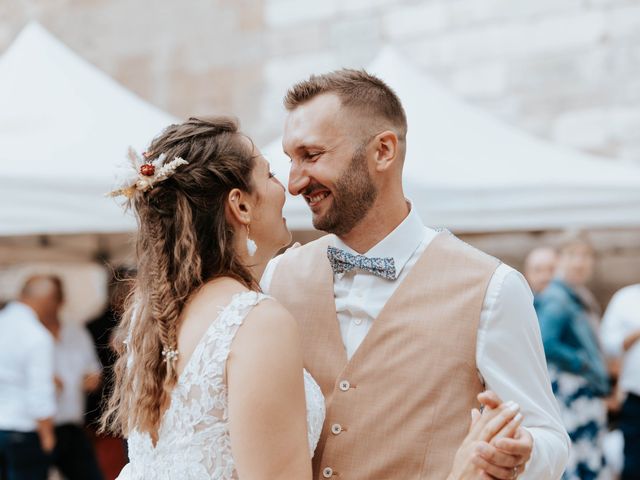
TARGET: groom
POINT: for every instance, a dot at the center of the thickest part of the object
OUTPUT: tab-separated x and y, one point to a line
402	326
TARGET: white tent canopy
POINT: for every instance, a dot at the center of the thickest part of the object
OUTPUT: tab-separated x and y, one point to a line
469	172
64	127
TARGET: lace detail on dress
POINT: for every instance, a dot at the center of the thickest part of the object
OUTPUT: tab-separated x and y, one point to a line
193	438
315	410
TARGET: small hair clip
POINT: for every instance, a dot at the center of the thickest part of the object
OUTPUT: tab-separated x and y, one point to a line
169	354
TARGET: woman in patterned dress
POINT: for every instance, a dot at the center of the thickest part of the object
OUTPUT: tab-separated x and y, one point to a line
569	319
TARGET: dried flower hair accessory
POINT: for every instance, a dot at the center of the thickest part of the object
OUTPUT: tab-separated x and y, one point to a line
144	174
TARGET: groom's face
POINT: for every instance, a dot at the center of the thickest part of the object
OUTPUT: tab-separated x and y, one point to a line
329	163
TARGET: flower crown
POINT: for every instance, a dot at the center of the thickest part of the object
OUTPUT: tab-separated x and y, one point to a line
146	173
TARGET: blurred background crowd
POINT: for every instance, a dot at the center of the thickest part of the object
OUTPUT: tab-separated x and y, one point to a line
524	140
592	358
54	378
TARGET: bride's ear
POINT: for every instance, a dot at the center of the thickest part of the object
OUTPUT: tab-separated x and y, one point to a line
238	207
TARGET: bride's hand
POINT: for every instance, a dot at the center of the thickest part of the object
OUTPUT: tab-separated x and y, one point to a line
511	448
469	463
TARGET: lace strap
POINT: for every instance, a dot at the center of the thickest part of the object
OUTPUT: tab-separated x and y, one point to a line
232	316
238	308
217	340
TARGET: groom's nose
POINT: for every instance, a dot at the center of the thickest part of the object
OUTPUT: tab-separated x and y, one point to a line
298	179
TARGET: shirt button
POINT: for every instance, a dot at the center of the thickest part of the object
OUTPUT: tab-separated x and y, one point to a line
357	321
336	428
345	385
327	472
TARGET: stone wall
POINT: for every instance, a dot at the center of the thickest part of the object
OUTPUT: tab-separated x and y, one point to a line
191	57
566	70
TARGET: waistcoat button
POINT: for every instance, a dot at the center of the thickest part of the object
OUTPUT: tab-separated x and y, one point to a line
327	472
336	428
344	385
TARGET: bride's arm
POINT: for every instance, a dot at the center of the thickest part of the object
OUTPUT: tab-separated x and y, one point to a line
267	413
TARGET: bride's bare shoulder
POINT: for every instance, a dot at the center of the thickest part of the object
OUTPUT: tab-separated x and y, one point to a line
217	292
268	326
220	292
270	312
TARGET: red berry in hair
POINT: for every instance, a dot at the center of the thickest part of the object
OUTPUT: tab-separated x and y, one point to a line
147	170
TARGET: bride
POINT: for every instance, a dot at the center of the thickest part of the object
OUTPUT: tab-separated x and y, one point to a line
209	383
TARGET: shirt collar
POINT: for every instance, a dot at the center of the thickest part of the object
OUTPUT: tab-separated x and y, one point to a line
400	244
22	309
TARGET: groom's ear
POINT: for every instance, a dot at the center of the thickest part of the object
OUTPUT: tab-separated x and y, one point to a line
238	207
386	145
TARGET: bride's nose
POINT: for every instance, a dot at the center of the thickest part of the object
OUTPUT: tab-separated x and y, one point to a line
280	183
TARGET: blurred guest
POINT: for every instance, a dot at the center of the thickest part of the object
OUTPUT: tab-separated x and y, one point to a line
27	393
77	370
578	372
621	339
539	268
110	450
101	330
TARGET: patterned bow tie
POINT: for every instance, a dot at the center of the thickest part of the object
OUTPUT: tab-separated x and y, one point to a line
342	262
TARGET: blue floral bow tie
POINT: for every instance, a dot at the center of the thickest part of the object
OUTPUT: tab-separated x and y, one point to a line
342	262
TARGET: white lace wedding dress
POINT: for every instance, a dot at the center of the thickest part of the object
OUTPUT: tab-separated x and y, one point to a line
193	438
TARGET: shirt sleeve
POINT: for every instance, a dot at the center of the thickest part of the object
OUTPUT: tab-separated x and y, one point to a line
613	329
41	394
511	361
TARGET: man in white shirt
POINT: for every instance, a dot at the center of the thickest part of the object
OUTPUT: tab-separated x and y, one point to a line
27	393
77	371
346	161
620	335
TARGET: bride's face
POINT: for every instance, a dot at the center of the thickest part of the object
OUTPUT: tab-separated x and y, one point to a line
268	227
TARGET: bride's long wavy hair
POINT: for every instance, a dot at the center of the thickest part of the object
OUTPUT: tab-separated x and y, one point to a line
183	241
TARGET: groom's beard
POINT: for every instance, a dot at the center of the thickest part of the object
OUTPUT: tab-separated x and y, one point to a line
352	197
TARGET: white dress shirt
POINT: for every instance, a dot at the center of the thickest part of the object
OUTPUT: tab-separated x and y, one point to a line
75	357
620	320
26	369
509	354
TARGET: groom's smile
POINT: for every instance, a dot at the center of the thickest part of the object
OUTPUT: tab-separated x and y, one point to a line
315	195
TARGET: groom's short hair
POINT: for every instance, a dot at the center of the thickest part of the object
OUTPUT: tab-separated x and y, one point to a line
356	89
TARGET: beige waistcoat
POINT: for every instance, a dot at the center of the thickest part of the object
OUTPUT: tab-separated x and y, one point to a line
401	406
